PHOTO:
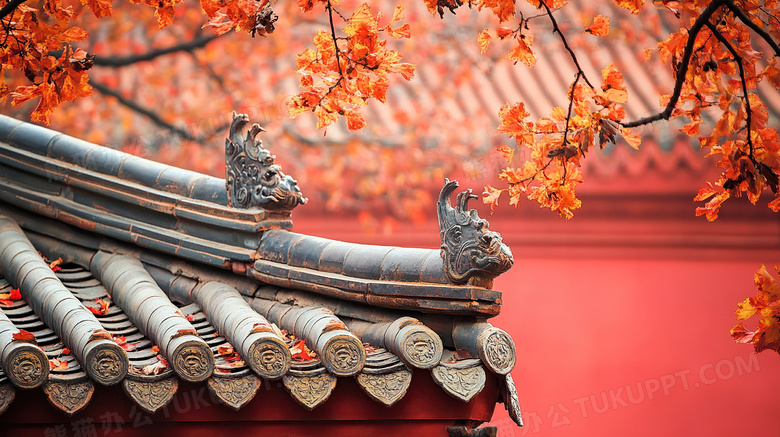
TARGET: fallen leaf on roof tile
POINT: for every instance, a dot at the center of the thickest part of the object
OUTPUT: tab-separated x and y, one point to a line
153	369
189	317
225	350
121	340
58	365
9	298
186	331
100	310
262	327
23	335
65	351
55	265
300	351
100	335
155	349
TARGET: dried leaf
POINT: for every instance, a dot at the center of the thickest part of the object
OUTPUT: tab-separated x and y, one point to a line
23	335
57	365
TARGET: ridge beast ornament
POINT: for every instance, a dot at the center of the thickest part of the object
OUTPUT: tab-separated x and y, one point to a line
251	177
468	248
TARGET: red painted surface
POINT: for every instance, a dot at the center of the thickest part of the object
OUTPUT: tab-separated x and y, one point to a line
425	410
634	292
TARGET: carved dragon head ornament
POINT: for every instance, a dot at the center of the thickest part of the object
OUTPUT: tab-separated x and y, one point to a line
251	177
469	249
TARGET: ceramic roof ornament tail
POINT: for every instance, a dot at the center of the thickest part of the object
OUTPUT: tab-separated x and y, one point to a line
468	248
252	178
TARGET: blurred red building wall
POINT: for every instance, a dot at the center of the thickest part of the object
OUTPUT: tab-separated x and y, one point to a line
621	316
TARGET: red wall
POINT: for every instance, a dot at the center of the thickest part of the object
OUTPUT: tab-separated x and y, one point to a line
627	295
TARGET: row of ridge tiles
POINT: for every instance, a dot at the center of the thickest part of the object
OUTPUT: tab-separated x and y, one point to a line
110	162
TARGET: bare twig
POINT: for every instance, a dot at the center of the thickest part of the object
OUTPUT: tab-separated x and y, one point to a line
148	113
557	30
329	7
571	106
121	61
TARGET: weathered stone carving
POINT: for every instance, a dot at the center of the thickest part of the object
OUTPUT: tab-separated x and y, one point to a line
310	390
421	349
510	400
7	394
462	380
344	357
469	249
497	350
388	388
234	391
193	362
108	365
69	397
251	177
270	358
151	395
28	368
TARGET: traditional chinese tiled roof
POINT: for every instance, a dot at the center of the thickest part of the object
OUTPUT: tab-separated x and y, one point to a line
121	271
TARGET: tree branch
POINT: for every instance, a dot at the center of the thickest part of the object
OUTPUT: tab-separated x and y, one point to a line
10	7
148	113
580	72
749	23
738	60
682	72
329	7
122	61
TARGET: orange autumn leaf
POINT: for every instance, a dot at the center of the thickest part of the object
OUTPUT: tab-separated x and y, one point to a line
101	8
121	340
58	365
507	152
23	335
523	52
12	296
692	128
101	309
766	305
490	196
599	27
633	139
300	351
483	39
55	265
632	5
155	368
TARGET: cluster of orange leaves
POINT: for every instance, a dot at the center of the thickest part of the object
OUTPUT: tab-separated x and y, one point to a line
558	142
298	348
747	148
765	304
37	41
230	356
342	73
